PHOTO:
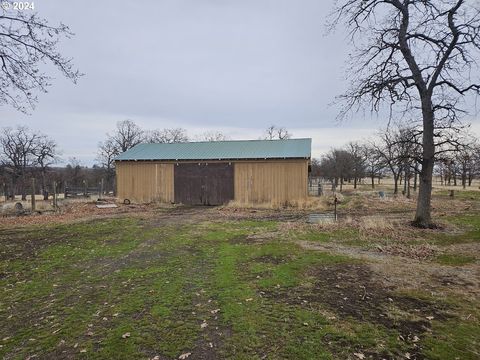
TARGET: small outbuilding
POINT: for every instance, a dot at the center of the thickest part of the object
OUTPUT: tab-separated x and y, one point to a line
214	173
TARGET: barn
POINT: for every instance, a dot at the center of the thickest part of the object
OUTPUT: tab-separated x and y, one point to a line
214	173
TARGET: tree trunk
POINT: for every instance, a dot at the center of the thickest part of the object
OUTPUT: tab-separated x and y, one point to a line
395	179
13	187
44	186
408	186
373	181
415	179
423	215
355	182
24	188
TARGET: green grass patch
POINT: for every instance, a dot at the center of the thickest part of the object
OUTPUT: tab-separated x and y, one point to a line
460	194
83	286
468	230
454	259
452	340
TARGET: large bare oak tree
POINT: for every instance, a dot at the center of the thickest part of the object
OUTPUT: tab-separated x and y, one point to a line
415	56
26	43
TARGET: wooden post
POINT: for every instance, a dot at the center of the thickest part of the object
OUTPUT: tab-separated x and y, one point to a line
33	194
335	202
55	195
85	188
101	189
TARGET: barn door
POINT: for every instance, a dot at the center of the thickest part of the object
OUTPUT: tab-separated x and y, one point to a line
204	184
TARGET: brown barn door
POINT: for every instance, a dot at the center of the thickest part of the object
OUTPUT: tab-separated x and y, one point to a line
187	184
204	184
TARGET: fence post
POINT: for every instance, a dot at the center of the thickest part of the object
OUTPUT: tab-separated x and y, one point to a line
55	195
101	189
335	202
33	194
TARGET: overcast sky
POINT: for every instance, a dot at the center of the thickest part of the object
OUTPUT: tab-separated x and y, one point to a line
236	66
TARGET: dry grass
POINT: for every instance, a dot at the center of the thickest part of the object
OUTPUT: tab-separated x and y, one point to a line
371	223
311	203
70	210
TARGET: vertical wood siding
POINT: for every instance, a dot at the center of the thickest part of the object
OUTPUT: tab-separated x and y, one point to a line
144	182
271	182
255	182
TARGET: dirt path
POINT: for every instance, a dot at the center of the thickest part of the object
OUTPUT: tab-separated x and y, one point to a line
404	272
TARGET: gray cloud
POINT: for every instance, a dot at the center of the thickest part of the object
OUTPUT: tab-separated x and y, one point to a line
233	65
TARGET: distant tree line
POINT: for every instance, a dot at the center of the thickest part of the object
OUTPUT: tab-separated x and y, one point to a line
26	154
396	152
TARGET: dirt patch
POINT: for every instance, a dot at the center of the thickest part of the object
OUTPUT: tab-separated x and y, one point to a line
253	239
142	257
270	259
403	271
350	291
241	240
452	280
21	244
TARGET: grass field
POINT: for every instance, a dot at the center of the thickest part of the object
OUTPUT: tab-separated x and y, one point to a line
215	283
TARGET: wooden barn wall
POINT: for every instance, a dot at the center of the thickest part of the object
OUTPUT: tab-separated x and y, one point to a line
272	182
255	182
144	182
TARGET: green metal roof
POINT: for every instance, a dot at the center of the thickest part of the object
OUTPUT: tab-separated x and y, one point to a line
220	150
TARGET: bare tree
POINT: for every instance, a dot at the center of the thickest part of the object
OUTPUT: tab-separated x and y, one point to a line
358	161
476	165
18	150
168	136
211	136
106	154
414	56
337	165
74	172
46	154
374	165
26	43
390	151
465	159
315	168
127	135
274	132
409	151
